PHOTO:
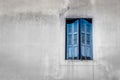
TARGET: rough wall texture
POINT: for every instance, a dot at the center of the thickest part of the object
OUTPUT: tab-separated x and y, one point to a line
32	40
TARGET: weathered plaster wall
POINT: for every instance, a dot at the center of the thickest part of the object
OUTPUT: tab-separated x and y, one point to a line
32	40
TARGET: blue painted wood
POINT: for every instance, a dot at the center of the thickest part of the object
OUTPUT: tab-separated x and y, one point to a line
69	41
89	41
79	29
86	39
83	38
76	39
72	40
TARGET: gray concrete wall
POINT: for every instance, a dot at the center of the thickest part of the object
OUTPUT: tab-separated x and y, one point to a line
32	40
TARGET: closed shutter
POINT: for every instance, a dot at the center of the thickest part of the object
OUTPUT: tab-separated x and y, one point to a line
79	39
86	39
89	41
76	39
72	40
69	41
83	38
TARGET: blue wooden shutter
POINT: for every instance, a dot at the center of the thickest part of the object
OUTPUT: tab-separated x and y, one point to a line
86	39
69	41
72	40
89	40
76	39
79	30
82	38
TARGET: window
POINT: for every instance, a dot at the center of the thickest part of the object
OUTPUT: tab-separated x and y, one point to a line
78	39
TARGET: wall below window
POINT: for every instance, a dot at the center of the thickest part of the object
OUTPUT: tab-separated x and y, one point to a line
32	40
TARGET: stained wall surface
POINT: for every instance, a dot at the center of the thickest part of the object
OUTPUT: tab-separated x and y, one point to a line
32	40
